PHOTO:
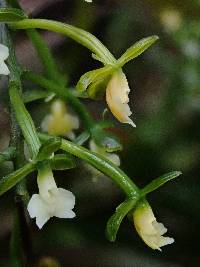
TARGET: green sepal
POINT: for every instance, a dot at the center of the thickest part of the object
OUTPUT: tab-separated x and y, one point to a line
48	148
62	162
155	184
33	95
136	49
82	138
105	139
11	14
95	81
10	180
115	220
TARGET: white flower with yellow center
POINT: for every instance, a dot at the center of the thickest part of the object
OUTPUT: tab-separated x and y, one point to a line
59	122
51	200
4	53
117	97
148	228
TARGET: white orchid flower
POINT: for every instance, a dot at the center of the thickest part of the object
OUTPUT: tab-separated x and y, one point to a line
59	122
117	97
148	228
51	200
4	53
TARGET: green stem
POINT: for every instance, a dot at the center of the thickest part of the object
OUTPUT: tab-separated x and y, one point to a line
45	56
83	37
64	93
16	243
102	164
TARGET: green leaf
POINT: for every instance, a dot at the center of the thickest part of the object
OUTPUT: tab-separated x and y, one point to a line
48	148
105	139
115	220
11	14
12	179
136	49
62	162
160	181
23	118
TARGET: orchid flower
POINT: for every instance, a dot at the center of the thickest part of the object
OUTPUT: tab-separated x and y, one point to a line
60	122
148	228
117	97
51	200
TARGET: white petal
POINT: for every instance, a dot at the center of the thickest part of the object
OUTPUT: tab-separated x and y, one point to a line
71	135
64	202
67	214
4	52
45	123
37	208
4	69
74	120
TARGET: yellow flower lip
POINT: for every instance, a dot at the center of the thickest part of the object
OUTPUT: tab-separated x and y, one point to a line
117	97
59	121
149	229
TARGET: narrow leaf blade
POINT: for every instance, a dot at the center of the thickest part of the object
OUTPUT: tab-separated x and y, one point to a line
12	179
115	220
155	184
136	49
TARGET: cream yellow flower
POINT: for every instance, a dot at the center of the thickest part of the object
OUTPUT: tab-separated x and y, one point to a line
59	122
4	53
148	228
117	92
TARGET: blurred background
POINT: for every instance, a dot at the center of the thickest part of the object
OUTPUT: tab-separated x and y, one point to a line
165	100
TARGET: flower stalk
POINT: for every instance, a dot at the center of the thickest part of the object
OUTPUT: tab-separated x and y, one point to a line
83	37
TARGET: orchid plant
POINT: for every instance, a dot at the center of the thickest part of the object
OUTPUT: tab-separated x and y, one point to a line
44	148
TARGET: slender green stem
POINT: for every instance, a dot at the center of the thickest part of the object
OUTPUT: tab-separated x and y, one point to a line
83	37
102	164
64	93
16	242
45	56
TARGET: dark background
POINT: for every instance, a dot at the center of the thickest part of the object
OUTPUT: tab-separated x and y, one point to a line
165	99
